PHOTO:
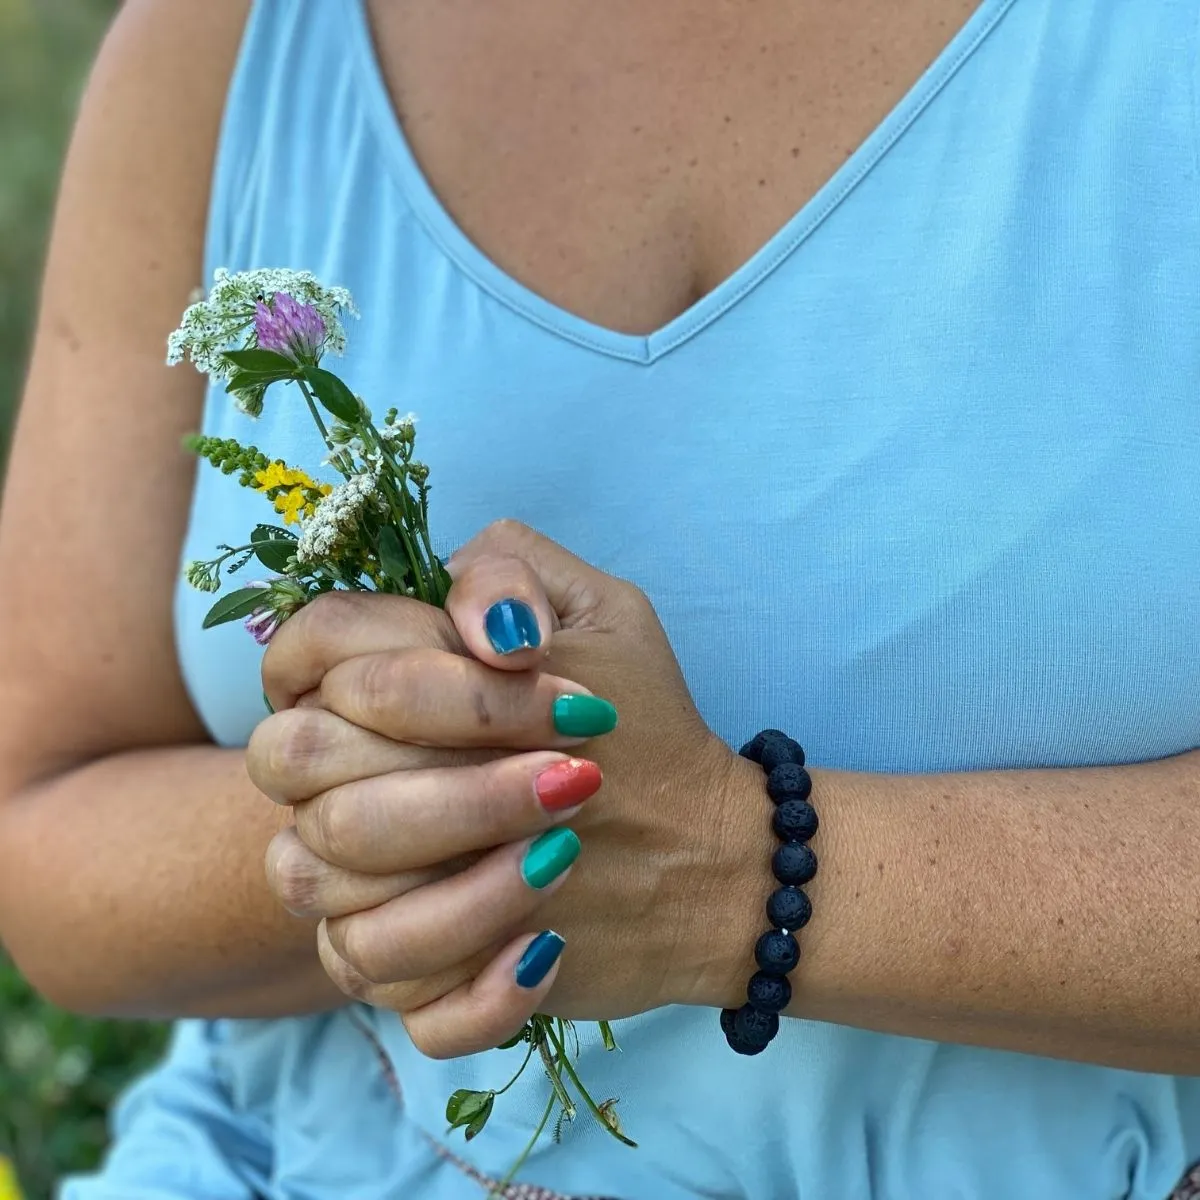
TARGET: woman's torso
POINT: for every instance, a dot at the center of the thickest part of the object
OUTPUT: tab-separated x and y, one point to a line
907	468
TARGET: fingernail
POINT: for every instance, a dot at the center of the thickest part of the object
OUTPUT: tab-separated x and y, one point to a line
567	784
548	857
541	954
577	715
511	626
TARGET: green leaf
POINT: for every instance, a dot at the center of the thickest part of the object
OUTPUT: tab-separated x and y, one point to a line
334	394
391	555
466	1106
262	362
275	554
515	1040
606	1035
250	381
273	546
234	606
481	1119
264	533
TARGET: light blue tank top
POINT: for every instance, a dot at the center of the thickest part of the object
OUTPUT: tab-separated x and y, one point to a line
918	483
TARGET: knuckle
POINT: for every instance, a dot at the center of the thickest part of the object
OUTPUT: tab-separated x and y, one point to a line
493	814
632	600
390	683
507	530
430	1039
323	621
339	825
344	976
285	748
294	874
360	944
308	638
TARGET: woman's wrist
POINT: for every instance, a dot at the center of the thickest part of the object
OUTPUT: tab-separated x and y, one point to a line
715	954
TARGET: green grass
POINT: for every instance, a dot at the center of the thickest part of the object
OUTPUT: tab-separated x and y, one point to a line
58	1073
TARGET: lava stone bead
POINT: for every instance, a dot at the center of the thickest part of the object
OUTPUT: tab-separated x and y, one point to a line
778	750
776	952
768	993
789	782
789	908
795	821
755	1028
794	863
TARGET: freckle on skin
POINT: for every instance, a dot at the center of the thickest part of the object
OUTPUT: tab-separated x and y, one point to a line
63	329
795	151
879	867
1061	922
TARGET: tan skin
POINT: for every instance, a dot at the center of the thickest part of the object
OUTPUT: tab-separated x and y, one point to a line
591	158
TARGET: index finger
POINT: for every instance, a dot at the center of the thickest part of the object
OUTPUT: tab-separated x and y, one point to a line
343	625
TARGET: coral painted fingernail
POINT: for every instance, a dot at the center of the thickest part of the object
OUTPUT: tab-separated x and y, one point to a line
511	626
540	955
577	715
567	784
548	857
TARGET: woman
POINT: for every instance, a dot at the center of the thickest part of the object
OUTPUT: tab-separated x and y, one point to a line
861	339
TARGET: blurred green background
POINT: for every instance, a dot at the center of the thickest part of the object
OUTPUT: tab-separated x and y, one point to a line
58	1073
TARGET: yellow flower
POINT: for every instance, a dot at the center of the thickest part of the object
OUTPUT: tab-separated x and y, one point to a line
292	505
279	474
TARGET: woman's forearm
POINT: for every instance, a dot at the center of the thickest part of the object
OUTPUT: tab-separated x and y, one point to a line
1054	912
134	886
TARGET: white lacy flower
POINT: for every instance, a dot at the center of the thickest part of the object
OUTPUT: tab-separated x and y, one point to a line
399	429
336	516
214	324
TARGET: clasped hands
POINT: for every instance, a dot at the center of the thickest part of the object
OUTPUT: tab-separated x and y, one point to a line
440	787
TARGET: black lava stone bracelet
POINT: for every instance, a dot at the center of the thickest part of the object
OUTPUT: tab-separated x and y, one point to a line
749	1029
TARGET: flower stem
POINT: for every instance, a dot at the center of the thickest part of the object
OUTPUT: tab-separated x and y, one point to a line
560	1092
510	1174
583	1092
520	1071
316	416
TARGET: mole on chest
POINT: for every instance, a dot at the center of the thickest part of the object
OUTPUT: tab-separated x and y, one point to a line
623	159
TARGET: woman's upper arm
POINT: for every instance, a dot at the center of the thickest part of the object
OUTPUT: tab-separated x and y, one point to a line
98	486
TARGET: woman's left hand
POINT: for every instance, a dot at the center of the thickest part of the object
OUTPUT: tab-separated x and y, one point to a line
665	899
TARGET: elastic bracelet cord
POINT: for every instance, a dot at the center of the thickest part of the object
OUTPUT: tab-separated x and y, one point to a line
749	1029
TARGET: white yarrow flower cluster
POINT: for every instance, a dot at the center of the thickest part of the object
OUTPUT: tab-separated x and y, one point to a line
336	516
211	325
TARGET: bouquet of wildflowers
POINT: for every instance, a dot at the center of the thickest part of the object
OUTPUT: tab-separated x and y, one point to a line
367	532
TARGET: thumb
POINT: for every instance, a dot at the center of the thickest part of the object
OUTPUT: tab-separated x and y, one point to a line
513	588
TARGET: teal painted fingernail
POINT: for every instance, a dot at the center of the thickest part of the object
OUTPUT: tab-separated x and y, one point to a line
548	857
511	626
540	955
582	716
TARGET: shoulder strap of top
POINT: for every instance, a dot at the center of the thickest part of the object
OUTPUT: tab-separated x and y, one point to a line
292	74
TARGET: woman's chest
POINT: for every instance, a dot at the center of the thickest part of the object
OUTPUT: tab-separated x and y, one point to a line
623	159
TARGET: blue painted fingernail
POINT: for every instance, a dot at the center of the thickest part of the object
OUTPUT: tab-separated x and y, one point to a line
511	626
537	960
